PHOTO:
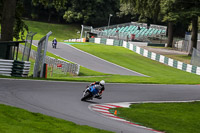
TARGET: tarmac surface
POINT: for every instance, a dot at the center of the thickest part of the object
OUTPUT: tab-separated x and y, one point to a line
87	60
62	99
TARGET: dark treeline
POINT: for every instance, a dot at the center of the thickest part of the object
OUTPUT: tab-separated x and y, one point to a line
178	15
89	12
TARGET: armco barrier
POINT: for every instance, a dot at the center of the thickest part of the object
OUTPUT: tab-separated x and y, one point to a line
14	68
20	68
6	67
154	56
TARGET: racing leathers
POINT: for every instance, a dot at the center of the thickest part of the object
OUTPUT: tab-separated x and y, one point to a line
100	87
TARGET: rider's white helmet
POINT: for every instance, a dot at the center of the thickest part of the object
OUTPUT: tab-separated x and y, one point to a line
54	38
102	82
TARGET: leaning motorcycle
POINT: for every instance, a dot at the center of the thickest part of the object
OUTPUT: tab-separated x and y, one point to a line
89	93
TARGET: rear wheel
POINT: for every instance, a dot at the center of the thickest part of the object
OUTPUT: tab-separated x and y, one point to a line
86	96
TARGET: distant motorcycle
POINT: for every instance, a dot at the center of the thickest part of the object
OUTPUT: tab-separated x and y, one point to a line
54	45
90	93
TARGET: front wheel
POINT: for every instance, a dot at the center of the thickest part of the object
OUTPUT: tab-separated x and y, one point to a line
86	96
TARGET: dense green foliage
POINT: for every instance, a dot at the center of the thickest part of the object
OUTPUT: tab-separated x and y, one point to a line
174	12
96	13
79	11
167	117
148	10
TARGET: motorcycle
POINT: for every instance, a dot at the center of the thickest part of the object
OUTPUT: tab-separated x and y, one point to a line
54	45
90	93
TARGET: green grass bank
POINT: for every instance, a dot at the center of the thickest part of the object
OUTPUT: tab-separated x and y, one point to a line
158	73
15	120
60	31
167	117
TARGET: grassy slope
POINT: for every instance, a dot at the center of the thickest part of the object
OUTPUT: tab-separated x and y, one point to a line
159	73
60	32
15	120
168	117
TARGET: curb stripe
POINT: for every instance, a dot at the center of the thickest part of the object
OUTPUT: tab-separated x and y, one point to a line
104	106
114	106
103	109
99	108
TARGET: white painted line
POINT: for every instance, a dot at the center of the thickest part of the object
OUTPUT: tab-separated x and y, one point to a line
122	104
108	61
118	119
59	55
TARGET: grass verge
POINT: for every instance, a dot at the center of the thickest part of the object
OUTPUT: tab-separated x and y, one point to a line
183	58
159	73
60	31
15	120
168	117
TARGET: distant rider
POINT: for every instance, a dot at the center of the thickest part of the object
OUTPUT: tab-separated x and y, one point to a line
54	43
100	87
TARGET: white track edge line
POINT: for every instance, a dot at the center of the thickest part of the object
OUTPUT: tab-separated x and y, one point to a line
107	61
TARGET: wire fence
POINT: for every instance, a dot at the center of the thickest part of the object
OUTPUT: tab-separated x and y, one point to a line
61	67
195	60
184	44
56	66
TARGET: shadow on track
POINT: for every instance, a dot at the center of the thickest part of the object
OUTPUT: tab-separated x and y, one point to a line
92	102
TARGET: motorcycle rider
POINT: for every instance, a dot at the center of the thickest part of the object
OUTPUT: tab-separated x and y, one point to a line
54	43
100	86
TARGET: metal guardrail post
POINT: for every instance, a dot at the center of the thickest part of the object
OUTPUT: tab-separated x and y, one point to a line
41	54
27	47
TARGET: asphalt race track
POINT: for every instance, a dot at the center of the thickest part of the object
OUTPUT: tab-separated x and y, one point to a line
62	99
86	60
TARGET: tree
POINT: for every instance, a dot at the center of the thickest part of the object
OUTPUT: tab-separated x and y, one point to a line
7	22
170	11
193	11
181	10
146	9
91	12
50	7
171	15
11	22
